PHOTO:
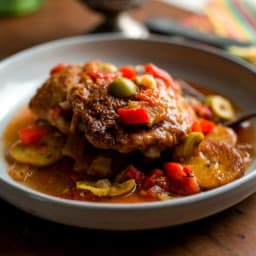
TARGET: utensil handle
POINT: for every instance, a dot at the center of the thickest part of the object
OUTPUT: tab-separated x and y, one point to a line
169	27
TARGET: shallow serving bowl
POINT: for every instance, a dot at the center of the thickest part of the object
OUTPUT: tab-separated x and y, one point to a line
21	74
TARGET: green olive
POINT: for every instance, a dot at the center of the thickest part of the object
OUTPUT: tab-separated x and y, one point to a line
122	87
220	106
191	143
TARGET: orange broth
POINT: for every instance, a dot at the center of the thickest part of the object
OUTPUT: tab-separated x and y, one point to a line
49	180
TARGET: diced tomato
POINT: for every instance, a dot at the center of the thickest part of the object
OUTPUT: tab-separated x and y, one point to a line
203	125
162	74
181	179
57	68
128	72
203	111
133	115
101	75
31	134
156	177
133	173
157	173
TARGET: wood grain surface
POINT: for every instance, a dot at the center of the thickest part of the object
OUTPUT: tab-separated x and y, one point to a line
232	232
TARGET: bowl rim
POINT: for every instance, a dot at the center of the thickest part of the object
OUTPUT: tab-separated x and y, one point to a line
69	41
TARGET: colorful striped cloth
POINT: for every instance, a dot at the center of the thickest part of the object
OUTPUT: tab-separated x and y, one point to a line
228	18
233	18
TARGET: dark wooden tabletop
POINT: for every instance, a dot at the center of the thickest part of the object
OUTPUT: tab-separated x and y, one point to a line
231	232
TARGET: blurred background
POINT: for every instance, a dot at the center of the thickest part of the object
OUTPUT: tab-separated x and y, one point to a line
225	24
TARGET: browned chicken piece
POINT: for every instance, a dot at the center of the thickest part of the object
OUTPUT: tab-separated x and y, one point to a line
49	103
92	161
97	111
216	164
74	101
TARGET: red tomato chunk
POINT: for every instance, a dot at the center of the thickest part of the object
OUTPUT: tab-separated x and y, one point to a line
31	134
202	125
58	68
162	74
181	179
128	72
133	173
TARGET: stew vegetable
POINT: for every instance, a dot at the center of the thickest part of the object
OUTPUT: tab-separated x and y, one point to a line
98	132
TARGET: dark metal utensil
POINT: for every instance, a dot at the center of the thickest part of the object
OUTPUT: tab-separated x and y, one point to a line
240	119
168	27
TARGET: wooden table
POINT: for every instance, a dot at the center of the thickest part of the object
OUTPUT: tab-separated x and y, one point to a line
231	232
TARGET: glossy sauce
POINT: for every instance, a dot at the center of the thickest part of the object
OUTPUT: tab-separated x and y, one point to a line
50	180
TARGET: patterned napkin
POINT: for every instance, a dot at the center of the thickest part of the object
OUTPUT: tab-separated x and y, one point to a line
234	19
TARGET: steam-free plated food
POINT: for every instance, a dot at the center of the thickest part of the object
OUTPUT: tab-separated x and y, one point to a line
98	132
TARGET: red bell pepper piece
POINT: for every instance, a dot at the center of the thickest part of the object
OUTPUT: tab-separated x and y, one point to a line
190	186
162	74
31	134
174	170
128	72
188	170
203	125
133	115
58	68
181	179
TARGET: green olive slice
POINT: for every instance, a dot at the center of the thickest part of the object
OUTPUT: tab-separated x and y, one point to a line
192	142
221	107
122	87
97	191
103	187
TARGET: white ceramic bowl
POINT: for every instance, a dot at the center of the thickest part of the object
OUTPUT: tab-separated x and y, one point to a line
22	73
